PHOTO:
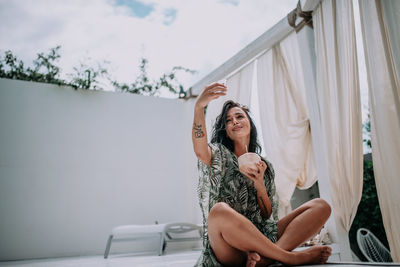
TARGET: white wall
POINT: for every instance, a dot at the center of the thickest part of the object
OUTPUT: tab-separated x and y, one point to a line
74	164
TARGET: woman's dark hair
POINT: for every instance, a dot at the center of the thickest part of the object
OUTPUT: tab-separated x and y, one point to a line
219	130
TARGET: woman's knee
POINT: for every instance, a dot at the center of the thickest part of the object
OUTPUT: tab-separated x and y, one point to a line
221	214
321	205
219	209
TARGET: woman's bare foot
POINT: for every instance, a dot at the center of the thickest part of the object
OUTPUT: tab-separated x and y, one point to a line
313	255
252	259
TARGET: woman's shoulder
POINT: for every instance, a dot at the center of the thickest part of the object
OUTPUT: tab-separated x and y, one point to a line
218	147
220	153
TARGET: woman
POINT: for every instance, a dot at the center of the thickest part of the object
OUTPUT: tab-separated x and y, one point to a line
240	209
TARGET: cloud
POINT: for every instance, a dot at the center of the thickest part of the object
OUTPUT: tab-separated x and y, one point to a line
198	35
170	16
231	2
138	8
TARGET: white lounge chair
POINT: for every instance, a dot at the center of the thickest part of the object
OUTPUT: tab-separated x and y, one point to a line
177	232
371	247
171	232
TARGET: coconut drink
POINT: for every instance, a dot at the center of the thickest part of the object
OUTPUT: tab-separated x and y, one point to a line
247	161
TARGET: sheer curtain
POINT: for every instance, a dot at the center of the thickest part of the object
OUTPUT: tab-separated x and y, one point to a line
380	21
291	54
239	90
339	108
284	119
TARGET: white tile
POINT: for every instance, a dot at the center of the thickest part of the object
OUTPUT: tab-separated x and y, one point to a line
171	259
178	259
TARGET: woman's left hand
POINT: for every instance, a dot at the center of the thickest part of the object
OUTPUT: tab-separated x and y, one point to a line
256	172
257	175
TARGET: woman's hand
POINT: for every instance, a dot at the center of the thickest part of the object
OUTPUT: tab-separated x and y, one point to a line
256	173
209	93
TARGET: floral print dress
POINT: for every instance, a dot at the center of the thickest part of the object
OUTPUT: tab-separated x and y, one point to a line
223	182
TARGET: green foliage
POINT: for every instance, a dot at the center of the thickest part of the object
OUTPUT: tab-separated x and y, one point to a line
144	86
85	76
47	63
367	130
44	68
368	213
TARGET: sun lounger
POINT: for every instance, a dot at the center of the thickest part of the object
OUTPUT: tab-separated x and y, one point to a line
171	232
179	232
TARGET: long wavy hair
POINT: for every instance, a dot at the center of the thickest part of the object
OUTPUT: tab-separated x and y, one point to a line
219	134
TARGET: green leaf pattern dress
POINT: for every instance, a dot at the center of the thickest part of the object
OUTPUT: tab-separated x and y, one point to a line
223	182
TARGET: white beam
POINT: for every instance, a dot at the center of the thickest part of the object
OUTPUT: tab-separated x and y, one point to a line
309	5
263	43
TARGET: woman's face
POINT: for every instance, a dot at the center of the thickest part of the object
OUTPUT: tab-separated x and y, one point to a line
237	124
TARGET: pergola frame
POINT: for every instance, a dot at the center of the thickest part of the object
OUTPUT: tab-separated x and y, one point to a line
306	44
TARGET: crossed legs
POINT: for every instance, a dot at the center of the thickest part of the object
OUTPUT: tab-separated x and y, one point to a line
232	236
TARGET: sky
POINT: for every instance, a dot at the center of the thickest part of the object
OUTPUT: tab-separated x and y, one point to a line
196	34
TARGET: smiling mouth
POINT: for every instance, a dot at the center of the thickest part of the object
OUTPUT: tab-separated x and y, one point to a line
237	128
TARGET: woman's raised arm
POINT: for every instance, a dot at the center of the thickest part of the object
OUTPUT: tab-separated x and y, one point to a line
199	132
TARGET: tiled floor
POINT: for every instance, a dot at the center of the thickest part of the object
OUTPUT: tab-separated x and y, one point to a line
172	259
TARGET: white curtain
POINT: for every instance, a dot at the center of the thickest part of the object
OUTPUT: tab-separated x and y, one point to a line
339	109
380	22
284	119
292	59
239	89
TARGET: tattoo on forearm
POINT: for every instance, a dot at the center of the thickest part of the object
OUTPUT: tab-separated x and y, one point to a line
198	132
